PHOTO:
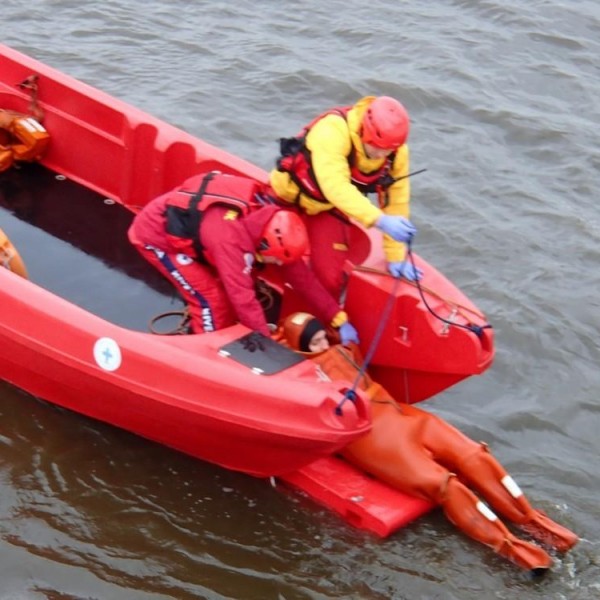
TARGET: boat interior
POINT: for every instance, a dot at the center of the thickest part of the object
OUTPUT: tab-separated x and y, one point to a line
74	244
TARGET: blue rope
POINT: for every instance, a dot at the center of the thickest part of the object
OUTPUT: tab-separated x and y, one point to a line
351	393
476	329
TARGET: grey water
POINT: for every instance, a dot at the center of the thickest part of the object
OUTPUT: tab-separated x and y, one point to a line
503	98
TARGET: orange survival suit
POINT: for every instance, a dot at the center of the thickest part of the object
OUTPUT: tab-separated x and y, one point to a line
422	455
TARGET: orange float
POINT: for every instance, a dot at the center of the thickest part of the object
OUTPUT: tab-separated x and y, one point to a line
10	258
22	138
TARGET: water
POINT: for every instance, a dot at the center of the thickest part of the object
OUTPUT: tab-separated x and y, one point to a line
503	99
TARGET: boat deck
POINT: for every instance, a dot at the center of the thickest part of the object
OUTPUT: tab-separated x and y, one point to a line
74	244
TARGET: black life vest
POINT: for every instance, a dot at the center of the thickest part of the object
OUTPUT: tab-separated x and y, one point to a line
186	205
295	160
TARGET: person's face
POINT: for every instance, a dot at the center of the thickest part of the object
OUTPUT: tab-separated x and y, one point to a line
375	152
319	342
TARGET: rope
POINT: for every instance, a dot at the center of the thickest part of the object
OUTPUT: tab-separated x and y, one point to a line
476	329
351	393
460	308
181	328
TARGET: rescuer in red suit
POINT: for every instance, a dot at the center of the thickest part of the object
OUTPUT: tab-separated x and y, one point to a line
206	237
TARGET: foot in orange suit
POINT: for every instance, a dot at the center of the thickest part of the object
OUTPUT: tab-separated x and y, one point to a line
483	473
468	513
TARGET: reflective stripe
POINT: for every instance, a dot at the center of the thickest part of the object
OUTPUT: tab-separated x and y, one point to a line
486	511
208	322
31	125
511	485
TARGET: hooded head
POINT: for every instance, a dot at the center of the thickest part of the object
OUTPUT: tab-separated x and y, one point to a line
304	332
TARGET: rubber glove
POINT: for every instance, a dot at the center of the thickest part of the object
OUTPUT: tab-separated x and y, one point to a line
405	269
348	334
398	228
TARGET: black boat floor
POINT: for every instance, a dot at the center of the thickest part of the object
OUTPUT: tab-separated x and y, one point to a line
74	244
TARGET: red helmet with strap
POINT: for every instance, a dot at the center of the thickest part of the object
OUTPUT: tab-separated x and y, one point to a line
284	237
385	124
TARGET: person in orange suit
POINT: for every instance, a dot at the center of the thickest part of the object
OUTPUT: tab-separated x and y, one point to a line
422	455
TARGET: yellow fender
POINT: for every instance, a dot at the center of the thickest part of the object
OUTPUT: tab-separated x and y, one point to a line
10	258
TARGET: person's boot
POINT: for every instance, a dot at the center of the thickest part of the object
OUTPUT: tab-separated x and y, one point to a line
528	556
552	535
475	519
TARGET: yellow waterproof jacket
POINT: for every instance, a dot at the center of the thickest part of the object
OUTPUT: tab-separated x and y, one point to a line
330	142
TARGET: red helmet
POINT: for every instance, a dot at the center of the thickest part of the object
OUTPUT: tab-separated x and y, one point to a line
385	123
284	237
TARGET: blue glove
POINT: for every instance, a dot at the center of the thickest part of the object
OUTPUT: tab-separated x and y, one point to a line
406	270
348	334
398	228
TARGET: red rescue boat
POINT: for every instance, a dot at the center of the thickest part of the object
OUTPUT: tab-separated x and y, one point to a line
67	337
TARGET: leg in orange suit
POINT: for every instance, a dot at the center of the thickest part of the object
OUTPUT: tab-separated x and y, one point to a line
420	454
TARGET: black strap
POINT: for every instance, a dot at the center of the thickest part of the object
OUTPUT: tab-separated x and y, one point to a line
196	215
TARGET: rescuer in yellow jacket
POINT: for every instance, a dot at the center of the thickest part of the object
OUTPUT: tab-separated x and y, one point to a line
328	169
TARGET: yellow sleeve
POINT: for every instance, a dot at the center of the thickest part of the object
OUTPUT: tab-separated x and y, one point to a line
330	145
398	203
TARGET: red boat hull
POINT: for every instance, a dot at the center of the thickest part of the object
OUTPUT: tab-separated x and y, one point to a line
184	391
177	390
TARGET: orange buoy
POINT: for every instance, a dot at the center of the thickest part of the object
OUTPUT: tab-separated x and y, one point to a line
10	258
6	158
23	138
